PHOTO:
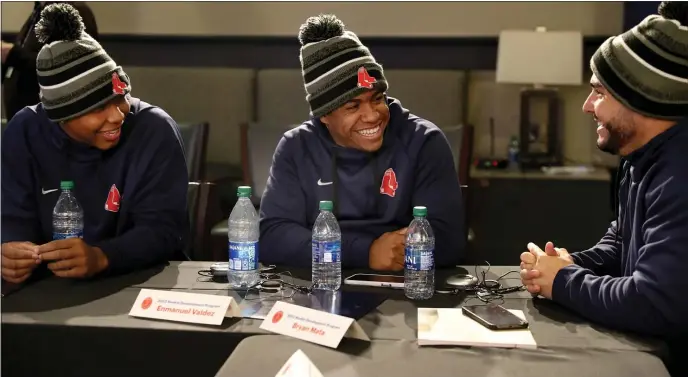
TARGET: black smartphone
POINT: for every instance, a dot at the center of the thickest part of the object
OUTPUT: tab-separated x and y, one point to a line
494	317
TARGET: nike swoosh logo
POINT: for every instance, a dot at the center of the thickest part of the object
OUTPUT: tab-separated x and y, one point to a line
47	191
321	183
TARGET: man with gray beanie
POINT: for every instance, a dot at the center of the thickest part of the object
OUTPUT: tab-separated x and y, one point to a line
122	156
364	152
635	278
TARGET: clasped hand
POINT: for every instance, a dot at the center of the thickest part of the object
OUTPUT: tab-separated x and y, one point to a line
539	268
70	258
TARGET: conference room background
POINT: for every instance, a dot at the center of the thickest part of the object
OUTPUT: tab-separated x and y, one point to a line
230	26
229	63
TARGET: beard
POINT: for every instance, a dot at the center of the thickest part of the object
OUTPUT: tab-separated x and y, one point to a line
619	131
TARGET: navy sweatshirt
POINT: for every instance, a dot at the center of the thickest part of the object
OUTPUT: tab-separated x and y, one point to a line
147	168
635	278
309	167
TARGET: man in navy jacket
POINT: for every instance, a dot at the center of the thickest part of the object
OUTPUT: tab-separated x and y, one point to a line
366	153
634	279
124	156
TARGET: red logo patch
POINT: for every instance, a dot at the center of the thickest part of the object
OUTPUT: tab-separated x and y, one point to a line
113	200
364	79
389	183
117	85
276	318
147	302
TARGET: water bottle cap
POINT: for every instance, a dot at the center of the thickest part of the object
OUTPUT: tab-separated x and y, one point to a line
326	205
66	185
420	211
244	191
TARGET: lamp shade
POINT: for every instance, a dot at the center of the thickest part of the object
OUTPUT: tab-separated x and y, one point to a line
540	57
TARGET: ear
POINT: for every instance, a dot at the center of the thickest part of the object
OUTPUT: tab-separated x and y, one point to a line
324	119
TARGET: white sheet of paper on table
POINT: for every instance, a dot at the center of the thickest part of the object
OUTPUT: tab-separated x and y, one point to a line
448	326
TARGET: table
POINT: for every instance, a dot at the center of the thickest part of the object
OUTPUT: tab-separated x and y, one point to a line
403	358
82	327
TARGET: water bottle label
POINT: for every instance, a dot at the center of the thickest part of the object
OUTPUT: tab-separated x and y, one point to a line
64	236
423	260
327	251
243	256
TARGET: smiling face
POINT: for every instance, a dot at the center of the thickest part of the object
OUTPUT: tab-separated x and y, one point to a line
359	123
100	128
616	124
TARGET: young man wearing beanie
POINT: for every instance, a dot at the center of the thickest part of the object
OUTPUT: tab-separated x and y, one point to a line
123	155
635	278
363	151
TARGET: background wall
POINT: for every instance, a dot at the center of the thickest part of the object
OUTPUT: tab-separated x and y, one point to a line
367	19
145	38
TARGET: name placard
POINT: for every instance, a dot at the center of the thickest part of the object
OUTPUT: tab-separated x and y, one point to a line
184	307
299	365
311	325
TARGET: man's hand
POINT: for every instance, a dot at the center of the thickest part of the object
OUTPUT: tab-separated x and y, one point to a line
387	252
538	268
72	258
528	258
18	261
6	47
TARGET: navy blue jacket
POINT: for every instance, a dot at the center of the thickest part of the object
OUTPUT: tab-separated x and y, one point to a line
147	167
634	279
309	167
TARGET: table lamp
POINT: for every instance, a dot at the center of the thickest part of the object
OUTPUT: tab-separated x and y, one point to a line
537	58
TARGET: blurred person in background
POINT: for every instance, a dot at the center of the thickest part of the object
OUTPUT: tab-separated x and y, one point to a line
634	279
19	80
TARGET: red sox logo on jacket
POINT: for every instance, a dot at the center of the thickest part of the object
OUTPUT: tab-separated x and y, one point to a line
389	183
113	200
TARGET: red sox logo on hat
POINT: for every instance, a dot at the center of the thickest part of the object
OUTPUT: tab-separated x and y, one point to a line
389	183
117	85
364	79
113	200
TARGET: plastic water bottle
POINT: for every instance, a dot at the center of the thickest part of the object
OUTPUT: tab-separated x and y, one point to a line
243	233
327	250
68	217
419	266
513	153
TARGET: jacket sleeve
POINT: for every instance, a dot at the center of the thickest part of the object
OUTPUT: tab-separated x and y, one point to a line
22	58
437	188
159	203
20	218
651	300
285	235
603	258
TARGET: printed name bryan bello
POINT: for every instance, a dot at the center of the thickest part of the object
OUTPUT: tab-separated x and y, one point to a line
203	312
312	329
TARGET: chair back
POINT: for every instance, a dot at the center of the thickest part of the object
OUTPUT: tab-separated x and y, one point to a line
461	143
195	138
258	143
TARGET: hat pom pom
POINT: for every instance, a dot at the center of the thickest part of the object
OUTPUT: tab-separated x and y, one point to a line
674	10
320	28
59	22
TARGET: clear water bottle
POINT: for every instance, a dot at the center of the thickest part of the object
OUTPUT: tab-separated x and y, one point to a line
243	233
513	152
68	217
419	266
327	250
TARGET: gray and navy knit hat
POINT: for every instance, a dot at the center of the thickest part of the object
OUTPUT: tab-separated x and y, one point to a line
75	74
646	68
336	66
